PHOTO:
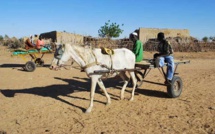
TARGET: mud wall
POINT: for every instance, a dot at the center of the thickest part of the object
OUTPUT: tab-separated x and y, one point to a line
150	33
63	37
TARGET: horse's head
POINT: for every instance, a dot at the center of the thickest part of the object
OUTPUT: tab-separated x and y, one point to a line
68	51
56	62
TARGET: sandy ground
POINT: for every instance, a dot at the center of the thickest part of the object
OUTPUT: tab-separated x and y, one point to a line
54	102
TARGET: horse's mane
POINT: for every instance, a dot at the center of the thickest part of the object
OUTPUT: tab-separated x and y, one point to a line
80	48
84	51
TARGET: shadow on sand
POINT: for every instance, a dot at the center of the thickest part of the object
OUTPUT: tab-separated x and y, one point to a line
54	91
152	93
17	65
74	85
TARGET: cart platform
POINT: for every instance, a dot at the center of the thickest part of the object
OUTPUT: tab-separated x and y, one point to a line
21	51
35	54
149	63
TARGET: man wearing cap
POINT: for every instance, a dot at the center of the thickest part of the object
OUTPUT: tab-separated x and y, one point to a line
165	55
138	47
137	50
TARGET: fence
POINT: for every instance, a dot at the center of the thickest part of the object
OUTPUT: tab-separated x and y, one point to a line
183	47
150	45
108	43
178	44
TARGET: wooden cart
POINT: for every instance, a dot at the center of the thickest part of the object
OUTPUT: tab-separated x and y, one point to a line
36	57
142	69
174	88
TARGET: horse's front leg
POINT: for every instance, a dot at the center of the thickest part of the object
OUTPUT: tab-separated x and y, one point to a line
92	92
125	79
101	85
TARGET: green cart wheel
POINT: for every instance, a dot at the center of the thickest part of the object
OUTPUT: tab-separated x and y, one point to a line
30	66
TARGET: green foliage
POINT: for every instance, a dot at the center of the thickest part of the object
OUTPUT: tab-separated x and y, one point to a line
1	38
6	37
212	38
12	43
205	39
110	30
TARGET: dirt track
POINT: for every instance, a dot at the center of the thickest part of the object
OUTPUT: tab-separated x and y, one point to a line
46	101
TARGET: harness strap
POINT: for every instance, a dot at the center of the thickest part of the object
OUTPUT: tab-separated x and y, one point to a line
97	63
90	65
111	62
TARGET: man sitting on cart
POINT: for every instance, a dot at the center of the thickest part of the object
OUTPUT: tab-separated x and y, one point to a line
165	55
35	43
30	42
40	43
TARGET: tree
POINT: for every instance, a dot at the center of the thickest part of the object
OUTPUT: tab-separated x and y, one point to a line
110	30
205	39
6	37
212	38
1	38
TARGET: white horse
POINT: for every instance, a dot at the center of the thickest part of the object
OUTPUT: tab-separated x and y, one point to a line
92	60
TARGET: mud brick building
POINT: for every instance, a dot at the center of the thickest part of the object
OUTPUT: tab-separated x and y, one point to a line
149	33
63	37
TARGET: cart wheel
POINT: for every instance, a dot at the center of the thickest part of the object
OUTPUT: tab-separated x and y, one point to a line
30	66
175	88
139	77
39	62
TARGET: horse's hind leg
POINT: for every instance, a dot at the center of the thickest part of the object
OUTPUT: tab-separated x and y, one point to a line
125	79
101	85
134	80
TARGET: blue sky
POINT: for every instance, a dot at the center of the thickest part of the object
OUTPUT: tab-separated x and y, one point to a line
25	17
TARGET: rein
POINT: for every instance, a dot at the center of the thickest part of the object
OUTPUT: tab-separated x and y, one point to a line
90	65
62	66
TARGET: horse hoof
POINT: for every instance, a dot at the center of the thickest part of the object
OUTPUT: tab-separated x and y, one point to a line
131	99
108	103
88	111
